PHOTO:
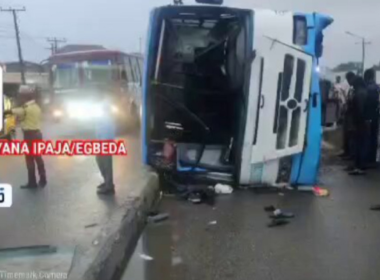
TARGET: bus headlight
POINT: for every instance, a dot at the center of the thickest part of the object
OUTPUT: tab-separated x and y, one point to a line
114	109
85	110
57	113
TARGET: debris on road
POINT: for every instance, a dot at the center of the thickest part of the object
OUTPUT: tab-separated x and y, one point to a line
281	194
176	261
223	189
91	225
158	218
199	195
321	192
278	214
277	223
375	207
195	198
270	208
212	223
146	257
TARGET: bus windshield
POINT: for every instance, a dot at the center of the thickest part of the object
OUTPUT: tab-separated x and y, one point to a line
97	72
65	75
94	72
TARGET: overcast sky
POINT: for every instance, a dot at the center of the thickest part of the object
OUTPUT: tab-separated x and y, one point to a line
119	24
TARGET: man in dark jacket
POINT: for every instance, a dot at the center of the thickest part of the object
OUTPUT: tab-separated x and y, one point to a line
348	137
372	109
361	124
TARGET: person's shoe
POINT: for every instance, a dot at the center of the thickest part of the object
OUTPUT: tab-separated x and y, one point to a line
42	183
102	185
356	172
29	186
106	190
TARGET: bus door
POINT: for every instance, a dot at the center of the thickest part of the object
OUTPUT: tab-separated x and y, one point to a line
279	94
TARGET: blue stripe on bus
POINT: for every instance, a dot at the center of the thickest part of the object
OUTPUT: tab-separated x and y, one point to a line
306	165
149	51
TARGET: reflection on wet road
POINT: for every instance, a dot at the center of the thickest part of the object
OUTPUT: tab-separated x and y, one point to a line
334	238
154	256
59	213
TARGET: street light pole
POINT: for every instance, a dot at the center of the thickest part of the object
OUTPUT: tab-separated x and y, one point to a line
364	43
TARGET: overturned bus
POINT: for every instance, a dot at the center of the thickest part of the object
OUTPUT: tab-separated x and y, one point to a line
232	94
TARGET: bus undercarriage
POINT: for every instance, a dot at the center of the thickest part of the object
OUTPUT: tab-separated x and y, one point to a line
199	88
227	95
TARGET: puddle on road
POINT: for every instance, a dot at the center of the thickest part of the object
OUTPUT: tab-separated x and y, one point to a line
154	257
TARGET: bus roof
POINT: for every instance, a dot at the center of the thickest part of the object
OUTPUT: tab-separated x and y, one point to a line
88	55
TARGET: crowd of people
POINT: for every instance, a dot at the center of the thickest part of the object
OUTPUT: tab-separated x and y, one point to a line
360	120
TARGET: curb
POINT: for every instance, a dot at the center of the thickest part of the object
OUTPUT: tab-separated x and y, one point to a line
105	258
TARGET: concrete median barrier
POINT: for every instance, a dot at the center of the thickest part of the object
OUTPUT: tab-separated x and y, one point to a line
105	256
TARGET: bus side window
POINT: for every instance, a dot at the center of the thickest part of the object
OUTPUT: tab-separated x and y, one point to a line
300	30
139	69
128	70
141	64
123	75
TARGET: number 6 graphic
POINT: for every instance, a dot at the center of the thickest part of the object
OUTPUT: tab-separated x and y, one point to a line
2	197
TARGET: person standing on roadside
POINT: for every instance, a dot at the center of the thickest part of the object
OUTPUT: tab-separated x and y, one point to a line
361	125
105	130
29	114
348	138
372	110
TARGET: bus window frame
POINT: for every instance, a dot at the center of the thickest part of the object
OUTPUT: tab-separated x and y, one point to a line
136	68
296	30
139	69
128	69
134	79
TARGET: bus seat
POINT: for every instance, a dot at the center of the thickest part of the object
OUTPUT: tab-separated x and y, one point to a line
212	158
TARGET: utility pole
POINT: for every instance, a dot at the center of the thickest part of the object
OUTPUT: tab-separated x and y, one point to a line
51	48
364	44
54	42
20	58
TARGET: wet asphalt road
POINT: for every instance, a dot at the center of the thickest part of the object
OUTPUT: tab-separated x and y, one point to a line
59	213
334	238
